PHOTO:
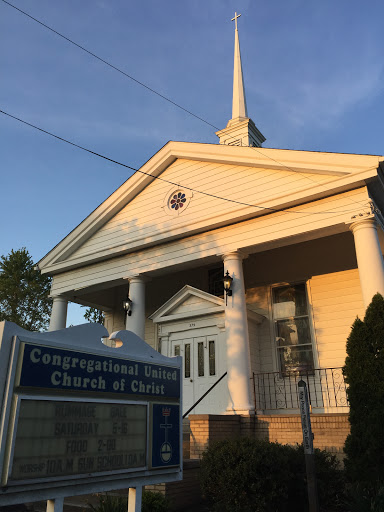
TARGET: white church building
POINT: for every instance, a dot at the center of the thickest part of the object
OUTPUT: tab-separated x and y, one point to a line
299	232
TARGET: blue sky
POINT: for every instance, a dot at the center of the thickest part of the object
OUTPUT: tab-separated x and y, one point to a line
314	79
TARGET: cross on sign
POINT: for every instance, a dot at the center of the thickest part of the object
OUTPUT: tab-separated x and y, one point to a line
235	18
166	426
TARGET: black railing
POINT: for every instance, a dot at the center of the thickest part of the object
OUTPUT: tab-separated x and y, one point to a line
275	390
205	394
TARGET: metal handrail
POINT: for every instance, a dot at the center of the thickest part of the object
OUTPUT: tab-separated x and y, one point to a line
277	390
205	394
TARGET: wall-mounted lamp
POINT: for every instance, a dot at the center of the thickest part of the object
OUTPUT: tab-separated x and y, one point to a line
127	306
227	281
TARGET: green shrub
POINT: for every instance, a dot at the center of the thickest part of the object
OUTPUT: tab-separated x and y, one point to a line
109	503
151	502
154	502
258	476
364	374
329	476
366	500
246	475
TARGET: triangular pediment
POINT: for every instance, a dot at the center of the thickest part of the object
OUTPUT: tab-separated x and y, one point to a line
222	185
188	302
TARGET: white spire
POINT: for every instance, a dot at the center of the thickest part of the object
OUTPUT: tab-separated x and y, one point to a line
240	130
239	104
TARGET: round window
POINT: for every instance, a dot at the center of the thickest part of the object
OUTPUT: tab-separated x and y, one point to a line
177	200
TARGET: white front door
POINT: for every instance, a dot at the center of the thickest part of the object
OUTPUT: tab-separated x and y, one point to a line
203	365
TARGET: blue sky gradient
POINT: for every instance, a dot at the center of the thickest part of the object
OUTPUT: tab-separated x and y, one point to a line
314	79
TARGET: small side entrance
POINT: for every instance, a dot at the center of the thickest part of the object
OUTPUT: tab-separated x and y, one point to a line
202	367
191	324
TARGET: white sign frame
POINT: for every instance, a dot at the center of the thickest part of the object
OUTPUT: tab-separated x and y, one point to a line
86	339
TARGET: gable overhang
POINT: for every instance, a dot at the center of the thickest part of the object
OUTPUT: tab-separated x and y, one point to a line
214	305
164	314
346	172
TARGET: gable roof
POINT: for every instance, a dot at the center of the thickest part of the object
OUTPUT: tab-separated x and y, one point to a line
170	310
181	306
342	171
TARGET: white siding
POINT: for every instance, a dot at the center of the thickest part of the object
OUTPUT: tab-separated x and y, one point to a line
191	305
337	210
144	218
261	359
150	333
336	301
114	321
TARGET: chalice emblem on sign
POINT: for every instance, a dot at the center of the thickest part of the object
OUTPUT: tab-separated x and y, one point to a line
166	448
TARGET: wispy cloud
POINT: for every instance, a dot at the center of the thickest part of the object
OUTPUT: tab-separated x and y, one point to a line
323	103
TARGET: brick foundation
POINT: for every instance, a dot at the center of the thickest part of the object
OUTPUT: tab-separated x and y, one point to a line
330	430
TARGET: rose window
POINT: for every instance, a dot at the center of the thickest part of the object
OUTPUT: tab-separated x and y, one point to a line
178	201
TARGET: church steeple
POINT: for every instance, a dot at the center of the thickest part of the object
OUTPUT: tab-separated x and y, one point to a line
240	130
239	103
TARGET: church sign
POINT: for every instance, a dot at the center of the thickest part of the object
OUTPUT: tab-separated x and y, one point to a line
60	369
81	417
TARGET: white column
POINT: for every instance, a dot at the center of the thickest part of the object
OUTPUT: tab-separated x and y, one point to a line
55	505
134	499
369	258
237	340
58	314
136	321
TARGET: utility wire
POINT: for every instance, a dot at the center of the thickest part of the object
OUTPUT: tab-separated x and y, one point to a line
153	90
111	65
284	210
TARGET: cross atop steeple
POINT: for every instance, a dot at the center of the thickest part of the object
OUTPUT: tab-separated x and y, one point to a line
235	19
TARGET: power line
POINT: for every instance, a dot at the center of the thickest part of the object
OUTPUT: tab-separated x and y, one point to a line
155	92
111	65
179	185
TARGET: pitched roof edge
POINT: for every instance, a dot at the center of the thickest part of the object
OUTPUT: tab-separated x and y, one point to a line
171	151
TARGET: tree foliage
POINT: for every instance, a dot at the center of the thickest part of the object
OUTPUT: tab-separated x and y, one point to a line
364	374
24	292
94	315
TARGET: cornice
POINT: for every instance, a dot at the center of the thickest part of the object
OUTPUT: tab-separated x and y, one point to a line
350	171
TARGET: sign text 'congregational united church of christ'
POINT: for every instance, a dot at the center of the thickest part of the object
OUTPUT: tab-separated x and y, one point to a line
84	415
55	368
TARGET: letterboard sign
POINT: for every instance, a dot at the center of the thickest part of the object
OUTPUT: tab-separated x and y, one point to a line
85	417
58	438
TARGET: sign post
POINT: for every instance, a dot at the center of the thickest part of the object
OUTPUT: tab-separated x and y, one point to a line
308	446
79	417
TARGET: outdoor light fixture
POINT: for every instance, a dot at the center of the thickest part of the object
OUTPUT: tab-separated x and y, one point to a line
127	306
227	281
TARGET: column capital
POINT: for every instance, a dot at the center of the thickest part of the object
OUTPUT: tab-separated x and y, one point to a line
137	278
361	222
368	255
238	255
58	298
368	213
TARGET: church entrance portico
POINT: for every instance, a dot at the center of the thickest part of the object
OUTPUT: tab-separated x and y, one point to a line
191	324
